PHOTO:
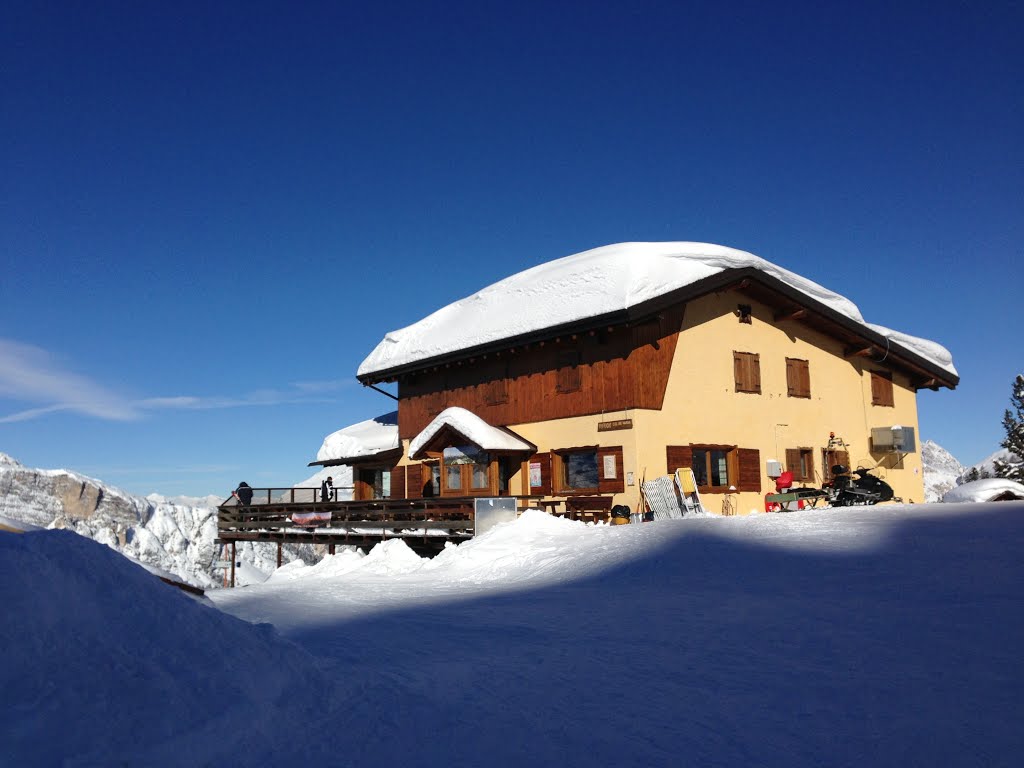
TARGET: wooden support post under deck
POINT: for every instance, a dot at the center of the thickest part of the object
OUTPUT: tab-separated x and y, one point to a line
279	554
232	563
330	549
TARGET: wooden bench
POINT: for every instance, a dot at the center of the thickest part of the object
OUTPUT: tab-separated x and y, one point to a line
588	507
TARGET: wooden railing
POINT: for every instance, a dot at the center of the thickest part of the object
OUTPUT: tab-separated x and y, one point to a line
272	509
285	496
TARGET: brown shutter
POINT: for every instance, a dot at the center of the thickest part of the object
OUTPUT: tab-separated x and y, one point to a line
678	457
798	378
747	371
615	484
567	379
414	481
881	388
750	470
544	459
793	462
397	483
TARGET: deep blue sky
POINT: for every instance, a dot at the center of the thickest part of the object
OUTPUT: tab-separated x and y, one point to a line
234	203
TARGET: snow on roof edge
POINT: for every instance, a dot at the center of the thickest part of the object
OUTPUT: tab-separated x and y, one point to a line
473	428
594	278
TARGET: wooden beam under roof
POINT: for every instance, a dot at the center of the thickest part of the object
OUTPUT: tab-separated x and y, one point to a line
791	313
859	352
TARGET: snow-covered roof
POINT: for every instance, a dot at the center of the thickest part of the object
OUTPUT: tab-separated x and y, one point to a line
984	490
367	438
592	284
473	428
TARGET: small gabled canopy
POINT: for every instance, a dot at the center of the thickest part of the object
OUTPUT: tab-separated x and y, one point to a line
467	426
371	439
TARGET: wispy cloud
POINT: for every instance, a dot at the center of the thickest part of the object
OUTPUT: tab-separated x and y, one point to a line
30	375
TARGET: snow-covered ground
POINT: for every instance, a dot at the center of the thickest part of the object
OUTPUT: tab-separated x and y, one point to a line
881	636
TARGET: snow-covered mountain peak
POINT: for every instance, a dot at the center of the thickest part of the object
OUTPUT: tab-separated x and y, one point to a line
941	470
8	460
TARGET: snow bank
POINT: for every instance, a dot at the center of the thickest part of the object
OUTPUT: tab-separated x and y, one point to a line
103	664
985	490
590	284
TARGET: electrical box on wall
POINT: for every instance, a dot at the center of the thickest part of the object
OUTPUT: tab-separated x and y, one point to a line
896	438
773	468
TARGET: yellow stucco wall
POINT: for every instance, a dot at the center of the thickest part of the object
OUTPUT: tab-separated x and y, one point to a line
702	406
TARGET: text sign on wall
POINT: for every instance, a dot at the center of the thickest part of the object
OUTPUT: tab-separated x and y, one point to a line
609	467
608	426
534	474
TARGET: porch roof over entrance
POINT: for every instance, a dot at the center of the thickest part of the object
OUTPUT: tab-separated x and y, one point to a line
472	428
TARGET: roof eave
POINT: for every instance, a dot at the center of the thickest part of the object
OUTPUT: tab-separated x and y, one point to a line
385	455
724	280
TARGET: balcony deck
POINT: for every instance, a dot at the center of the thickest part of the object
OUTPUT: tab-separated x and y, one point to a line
426	524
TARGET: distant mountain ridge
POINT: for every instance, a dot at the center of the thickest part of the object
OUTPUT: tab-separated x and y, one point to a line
177	535
178	538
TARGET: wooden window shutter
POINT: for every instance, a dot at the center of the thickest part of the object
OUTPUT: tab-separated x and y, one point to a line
397	483
605	483
750	470
568	375
798	378
544	459
747	371
678	457
496	392
793	462
414	481
881	388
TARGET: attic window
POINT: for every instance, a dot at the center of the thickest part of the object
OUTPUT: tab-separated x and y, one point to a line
744	313
568	377
496	392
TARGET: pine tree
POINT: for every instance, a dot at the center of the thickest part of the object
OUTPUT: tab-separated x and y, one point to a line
1013	423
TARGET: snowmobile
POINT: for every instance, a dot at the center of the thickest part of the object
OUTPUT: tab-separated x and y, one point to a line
857	487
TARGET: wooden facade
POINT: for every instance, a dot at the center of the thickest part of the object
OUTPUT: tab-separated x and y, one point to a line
596	371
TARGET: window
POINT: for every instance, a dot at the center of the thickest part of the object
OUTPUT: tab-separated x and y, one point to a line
711	466
466	470
579	471
375	483
798	378
744	313
726	465
568	379
435	479
496	392
833	458
747	368
800	461
881	388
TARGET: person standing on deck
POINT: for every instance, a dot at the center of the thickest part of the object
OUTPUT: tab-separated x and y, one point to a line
327	490
243	493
